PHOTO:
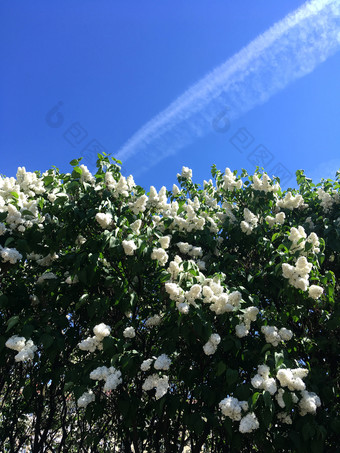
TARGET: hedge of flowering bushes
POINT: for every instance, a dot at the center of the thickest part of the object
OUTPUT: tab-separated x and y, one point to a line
205	318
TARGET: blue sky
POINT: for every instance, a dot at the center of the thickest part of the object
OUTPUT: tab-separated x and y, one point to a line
84	74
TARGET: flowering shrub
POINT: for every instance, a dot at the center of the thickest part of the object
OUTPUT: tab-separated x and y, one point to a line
197	319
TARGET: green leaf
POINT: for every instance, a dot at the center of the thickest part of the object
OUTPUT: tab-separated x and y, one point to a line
307	431
46	340
267	399
221	367
13	321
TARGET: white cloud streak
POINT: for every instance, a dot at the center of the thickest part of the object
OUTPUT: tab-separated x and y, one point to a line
290	49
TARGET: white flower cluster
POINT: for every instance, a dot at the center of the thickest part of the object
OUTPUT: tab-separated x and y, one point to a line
136	226
129	247
278	219
92	343
315	291
290	202
249	316
11	255
155	320
129	332
189	249
250	221
72	280
26	349
327	200
298	237
157	200
160	255
186	173
231	407
146	364
298	275
210	346
3	229
175	267
122	187
221	302
211	291
111	376
275	336
229	180
46	276
162	362
249	423
86	175
186	218
261	380
27	185
284	418
264	184
161	384
85	399
44	261
309	402
292	378
104	220
164	241
279	398
139	204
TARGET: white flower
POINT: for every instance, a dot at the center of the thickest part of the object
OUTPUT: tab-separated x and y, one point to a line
229	180
184	247
264	184
165	241
2	229
263	381
100	373
231	407
129	332
285	334
162	362
129	247
160	255
309	402
146	364
104	220
315	291
291	202
16	343
153	321
241	330
186	173
113	380
211	346
101	331
285	418
111	376
271	334
249	423
135	226
85	399
26	349
292	378
90	344
11	255
160	384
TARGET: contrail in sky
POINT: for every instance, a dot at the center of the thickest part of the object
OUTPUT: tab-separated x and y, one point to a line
290	49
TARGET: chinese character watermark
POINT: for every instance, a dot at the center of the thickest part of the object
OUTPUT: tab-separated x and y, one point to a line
75	135
257	154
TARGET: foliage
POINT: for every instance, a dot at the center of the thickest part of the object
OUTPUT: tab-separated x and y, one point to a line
196	277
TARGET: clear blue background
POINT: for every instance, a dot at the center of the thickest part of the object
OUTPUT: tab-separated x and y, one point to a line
115	64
